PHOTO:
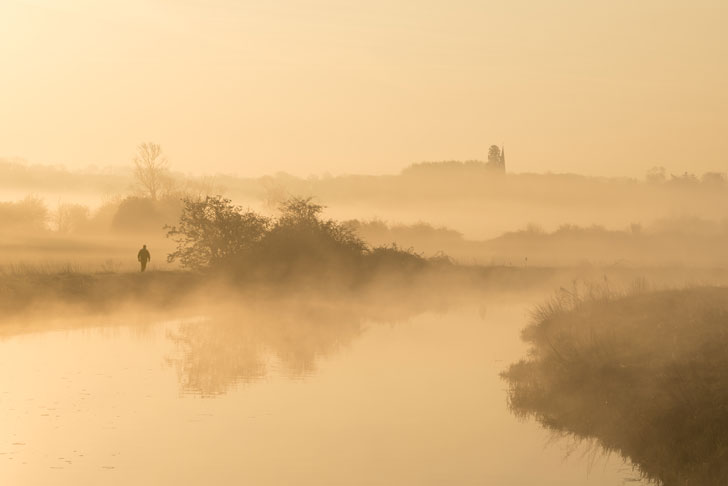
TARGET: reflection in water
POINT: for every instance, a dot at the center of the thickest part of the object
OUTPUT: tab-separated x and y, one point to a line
243	344
214	355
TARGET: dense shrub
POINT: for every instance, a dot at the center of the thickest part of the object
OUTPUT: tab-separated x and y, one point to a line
215	233
300	238
212	231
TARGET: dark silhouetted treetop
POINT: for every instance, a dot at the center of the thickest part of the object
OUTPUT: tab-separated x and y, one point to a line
300	233
299	210
212	231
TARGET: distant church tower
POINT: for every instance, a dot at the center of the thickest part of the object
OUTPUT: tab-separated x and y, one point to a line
497	158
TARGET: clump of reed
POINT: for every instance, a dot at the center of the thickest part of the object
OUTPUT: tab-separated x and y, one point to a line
644	373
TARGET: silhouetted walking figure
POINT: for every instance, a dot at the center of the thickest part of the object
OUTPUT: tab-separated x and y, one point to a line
143	256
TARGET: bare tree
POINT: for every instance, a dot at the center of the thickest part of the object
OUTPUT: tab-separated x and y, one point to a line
150	169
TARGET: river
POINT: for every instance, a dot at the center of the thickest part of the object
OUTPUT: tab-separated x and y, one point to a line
415	400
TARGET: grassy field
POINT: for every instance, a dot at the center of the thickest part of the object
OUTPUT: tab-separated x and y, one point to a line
643	374
85	287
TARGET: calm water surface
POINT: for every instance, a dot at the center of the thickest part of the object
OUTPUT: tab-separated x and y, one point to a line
267	401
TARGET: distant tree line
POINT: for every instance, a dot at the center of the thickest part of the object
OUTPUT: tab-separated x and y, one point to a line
496	164
658	175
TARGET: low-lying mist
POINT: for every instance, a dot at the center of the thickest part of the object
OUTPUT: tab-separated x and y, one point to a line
467	197
285	282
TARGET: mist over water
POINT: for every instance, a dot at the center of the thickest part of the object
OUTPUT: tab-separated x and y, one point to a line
376	243
375	340
313	394
174	336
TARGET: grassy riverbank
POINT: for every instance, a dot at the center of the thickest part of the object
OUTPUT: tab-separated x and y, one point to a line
644	375
37	290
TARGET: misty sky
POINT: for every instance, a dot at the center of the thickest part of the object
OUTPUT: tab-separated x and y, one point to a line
608	87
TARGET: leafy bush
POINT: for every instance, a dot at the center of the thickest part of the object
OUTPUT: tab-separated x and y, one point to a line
212	231
300	237
215	233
